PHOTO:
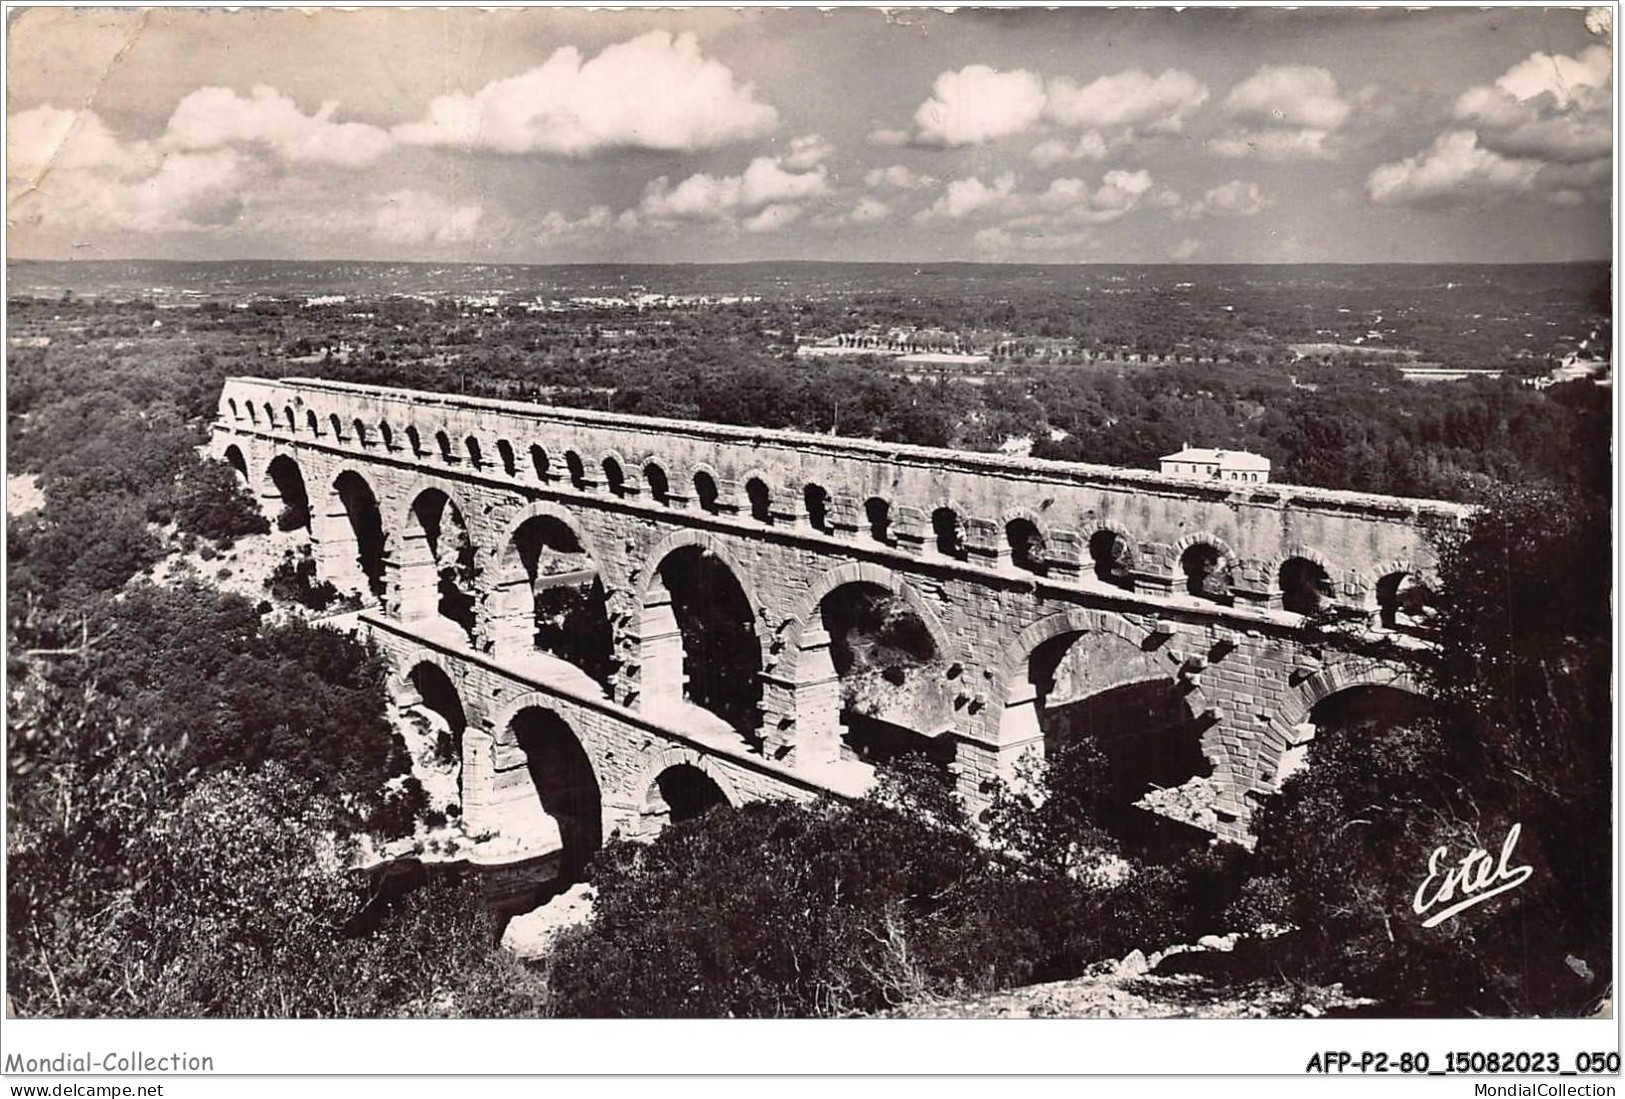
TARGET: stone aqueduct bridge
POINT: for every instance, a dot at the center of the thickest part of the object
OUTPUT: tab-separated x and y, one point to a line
1121	577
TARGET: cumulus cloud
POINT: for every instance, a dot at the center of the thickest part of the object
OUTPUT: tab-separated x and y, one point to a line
868	210
807	152
964	197
1235	199
1132	99
66	170
1073	201
655	91
1544	126
752	196
977	104
416	217
1455	171
1546	107
1283	112
1090	145
214	118
898	177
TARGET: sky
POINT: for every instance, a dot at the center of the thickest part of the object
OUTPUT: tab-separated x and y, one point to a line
1085	135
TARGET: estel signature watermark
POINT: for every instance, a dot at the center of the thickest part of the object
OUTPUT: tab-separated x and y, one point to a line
1473	880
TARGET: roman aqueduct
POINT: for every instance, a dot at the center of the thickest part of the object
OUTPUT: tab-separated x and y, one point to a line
622	620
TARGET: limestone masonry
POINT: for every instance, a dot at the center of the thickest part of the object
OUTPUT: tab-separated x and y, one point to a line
1158	579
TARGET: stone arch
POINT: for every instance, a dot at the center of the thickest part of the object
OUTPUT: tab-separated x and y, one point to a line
1090	681
359	427
423	589
505	455
1014	523
414	440
231	403
666	670
815	503
1289	732
1099	538
655	476
1187	555
233	455
707	487
428	683
564	773
576	470
476	454
829	705
354	522
761	491
879	520
948	518
442	442
253	416
636	793
1293	576
289	418
539	465
286	484
615	478
587	607
385	435
337	425
270	415
1297	702
313	422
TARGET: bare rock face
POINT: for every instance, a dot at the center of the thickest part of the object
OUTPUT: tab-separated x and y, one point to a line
531	935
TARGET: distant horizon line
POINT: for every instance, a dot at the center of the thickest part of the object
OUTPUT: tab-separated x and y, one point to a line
838	262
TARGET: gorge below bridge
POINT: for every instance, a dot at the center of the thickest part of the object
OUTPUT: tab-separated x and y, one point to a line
622	621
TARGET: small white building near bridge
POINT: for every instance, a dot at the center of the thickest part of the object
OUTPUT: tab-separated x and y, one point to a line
1218	465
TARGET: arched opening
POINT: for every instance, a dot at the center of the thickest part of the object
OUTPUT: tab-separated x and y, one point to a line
680	793
505	456
562	774
443	442
414	441
367	527
1026	546
1116	728
1305	586
538	462
705	492
1403	602
235	414
337	425
439	704
895	696
270	415
360	430
614	477
475	457
556	601
816	498
878	514
439	580
948	533
699	640
313	422
1367	704
1113	557
1207	573
386	436
289	484
761	502
659	485
235	459
289	418
577	471
253	417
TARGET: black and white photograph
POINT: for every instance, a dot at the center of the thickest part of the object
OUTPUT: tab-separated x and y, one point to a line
874	514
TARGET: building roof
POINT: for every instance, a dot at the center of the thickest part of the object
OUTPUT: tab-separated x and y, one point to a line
1229	459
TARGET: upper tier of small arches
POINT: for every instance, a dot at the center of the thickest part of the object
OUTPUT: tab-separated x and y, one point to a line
1005	526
